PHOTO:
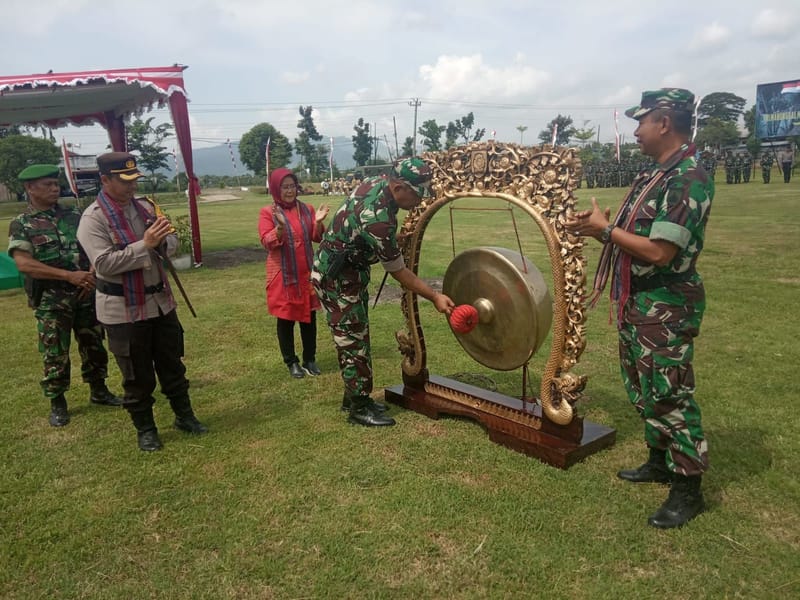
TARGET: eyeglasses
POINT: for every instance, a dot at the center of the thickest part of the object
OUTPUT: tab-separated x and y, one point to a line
289	187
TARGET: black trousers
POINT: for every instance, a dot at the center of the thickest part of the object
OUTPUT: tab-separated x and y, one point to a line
145	350
308	336
787	171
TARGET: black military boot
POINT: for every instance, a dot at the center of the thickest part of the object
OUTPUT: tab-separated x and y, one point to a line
100	394
375	406
362	414
684	503
146	431
58	411
185	419
653	471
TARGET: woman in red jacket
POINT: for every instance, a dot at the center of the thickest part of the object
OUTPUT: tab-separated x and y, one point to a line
286	229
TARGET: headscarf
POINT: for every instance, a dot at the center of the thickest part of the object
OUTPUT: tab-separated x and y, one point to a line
288	258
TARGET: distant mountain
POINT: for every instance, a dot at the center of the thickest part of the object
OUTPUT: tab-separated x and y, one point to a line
216	160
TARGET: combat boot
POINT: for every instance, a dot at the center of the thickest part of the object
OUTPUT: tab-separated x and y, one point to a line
58	411
375	406
100	394
146	431
185	419
653	471
684	503
362	414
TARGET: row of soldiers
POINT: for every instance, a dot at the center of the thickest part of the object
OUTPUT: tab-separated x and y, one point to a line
610	173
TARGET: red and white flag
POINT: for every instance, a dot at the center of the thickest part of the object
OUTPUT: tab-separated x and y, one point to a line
555	134
68	169
266	154
616	132
494	133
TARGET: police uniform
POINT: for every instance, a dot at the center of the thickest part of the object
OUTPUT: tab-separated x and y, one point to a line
362	233
135	303
49	236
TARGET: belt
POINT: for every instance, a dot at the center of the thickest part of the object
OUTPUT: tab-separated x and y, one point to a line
643	284
116	289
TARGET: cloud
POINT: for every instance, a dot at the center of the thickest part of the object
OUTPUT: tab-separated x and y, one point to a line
711	36
294	78
468	78
769	23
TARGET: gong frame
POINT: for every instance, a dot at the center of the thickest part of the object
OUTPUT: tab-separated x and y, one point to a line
541	182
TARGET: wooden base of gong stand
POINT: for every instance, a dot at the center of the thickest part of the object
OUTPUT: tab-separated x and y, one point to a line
510	422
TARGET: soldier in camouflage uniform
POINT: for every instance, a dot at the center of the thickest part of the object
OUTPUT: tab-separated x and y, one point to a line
60	285
652	247
729	167
747	167
362	233
766	165
737	168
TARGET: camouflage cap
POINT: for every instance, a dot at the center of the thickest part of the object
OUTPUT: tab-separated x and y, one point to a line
32	172
415	172
674	98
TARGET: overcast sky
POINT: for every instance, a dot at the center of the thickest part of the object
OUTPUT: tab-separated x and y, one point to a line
510	62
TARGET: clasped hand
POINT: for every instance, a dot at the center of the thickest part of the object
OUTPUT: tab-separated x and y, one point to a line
589	222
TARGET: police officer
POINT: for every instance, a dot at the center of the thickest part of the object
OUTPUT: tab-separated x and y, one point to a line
60	285
651	248
766	165
125	241
362	233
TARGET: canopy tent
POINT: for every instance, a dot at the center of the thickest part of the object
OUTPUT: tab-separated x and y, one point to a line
107	98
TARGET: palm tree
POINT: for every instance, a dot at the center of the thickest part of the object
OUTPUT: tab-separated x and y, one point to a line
521	129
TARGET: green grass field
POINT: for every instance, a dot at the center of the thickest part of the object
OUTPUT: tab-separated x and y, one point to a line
284	499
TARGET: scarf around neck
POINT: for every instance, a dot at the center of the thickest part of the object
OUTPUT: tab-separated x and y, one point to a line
288	255
615	262
132	281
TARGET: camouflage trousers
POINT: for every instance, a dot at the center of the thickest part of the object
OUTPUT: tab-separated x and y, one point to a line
345	299
58	316
656	366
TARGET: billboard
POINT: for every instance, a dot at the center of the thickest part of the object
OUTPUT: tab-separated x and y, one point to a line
777	109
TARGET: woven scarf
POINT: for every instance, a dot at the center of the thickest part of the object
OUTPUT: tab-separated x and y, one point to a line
288	256
123	235
618	263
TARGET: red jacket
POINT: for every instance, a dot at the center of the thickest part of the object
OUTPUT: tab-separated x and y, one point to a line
282	302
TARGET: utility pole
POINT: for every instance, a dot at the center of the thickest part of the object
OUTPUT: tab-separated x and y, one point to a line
375	141
415	103
396	147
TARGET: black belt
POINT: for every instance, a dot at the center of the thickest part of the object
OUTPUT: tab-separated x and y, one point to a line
643	284
116	289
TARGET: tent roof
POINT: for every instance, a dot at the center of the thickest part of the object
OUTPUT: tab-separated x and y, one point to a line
80	98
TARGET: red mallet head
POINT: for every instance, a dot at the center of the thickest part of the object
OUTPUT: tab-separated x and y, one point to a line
464	318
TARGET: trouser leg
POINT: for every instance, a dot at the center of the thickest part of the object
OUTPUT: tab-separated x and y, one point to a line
308	336
54	318
285	330
89	336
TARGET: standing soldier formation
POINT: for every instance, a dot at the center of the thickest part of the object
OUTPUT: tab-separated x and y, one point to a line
60	285
766	165
651	250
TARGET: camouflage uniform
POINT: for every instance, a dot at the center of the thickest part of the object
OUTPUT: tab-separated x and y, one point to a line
729	168
362	233
766	166
747	167
663	313
50	236
737	169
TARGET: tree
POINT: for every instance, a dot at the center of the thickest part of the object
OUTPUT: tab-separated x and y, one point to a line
19	151
253	146
408	147
564	132
723	106
431	133
362	143
717	133
463	128
585	134
147	141
522	129
450	135
308	133
12	130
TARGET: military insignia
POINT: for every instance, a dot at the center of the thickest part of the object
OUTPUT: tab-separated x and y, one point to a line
130	163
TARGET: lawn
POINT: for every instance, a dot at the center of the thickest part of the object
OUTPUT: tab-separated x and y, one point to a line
284	499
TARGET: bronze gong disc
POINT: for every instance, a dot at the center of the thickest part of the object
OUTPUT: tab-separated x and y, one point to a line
514	306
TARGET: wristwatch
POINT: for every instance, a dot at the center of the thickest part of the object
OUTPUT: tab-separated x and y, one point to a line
605	236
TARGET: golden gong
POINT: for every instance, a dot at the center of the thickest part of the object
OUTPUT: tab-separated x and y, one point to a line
514	307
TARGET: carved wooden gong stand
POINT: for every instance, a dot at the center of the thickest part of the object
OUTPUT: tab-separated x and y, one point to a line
540	181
